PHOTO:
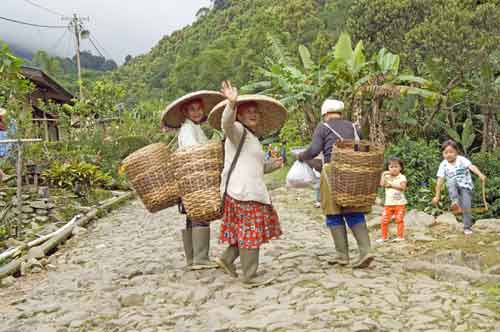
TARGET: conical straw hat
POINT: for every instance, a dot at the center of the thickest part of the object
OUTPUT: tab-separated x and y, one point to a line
173	116
273	114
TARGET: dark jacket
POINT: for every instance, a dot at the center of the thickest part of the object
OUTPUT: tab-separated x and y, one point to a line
324	139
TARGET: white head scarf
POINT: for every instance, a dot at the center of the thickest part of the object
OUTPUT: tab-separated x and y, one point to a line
332	106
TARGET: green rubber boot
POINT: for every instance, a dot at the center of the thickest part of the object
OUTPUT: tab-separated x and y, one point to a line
187	240
201	247
250	263
366	256
226	261
339	235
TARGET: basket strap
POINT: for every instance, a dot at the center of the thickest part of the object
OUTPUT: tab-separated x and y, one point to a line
173	140
356	138
356	135
233	165
333	131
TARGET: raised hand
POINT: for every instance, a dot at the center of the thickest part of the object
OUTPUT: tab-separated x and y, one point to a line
230	92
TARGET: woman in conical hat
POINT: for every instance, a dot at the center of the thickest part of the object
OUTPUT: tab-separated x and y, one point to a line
188	113
249	218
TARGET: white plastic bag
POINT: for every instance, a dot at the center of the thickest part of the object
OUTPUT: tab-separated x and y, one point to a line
300	175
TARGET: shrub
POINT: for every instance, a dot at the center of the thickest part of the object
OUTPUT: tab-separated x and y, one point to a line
77	176
421	161
489	164
128	144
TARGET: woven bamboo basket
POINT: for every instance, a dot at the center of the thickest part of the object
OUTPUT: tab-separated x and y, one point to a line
198	172
150	170
356	174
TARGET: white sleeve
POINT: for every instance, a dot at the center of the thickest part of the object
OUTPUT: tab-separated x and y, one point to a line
441	173
464	161
186	137
233	130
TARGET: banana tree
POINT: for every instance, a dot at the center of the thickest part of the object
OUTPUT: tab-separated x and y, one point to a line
297	86
346	66
375	80
466	138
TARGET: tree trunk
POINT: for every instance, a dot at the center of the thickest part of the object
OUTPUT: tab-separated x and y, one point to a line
487	132
311	120
428	123
451	84
376	126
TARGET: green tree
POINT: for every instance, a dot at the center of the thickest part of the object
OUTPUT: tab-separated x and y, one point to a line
50	65
447	41
298	86
376	80
14	91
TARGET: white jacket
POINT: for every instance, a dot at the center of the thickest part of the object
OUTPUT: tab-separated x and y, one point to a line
191	134
247	180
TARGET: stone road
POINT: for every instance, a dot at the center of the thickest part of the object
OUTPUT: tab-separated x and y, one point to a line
126	274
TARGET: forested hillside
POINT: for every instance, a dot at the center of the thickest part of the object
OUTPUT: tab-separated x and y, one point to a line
229	41
413	72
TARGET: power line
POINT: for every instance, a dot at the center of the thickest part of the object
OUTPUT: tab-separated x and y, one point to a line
100	46
98	51
53	12
33	24
59	40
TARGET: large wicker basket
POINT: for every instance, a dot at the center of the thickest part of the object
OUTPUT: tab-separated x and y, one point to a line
150	170
198	174
356	175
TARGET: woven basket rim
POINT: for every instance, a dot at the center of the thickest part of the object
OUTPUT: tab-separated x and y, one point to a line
273	113
173	116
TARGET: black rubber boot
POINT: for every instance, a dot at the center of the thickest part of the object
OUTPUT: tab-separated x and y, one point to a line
187	240
362	236
201	247
226	261
339	235
250	263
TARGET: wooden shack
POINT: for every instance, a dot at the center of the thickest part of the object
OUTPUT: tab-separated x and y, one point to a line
46	89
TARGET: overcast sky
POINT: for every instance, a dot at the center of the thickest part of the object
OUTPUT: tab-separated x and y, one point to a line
121	26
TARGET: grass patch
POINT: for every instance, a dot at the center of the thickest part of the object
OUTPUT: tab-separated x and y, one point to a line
493	299
477	244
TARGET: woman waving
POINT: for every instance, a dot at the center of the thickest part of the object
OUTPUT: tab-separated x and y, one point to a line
249	218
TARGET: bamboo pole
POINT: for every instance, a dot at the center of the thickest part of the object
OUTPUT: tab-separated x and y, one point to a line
19	173
46	127
19	190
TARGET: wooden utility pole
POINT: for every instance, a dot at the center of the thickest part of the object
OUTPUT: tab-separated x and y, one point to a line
19	175
76	26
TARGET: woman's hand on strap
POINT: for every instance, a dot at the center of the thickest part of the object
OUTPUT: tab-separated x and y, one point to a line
230	92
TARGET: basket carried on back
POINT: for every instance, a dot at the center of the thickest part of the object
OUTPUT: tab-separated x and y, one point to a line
356	174
198	172
150	170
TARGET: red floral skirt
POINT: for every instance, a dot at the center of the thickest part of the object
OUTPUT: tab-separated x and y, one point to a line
248	224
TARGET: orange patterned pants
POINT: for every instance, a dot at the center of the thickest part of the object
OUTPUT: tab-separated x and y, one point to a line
398	213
